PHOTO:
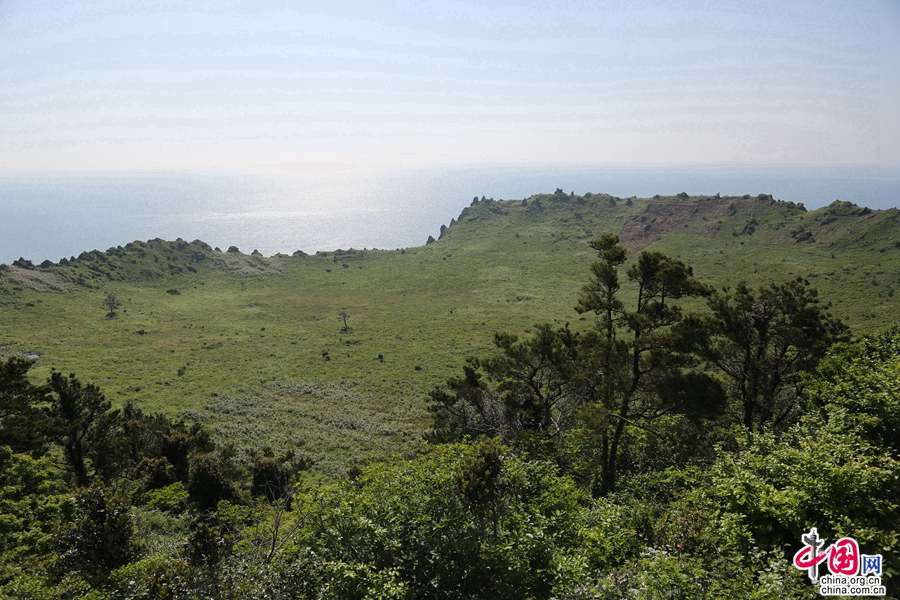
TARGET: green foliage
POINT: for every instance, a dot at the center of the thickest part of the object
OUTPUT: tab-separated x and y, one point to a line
209	483
34	587
158	578
535	377
33	501
820	474
763	343
863	379
172	498
659	575
662	536
325	425
155	449
99	537
111	303
478	479
629	367
635	353
80	419
271	476
479	520
19	400
209	541
527	385
425	522
750	508
478	473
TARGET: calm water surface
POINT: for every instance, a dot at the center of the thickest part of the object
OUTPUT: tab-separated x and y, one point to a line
52	215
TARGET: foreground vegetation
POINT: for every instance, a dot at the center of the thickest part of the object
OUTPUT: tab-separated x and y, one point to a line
467	520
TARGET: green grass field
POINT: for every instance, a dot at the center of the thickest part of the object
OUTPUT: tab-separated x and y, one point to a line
255	347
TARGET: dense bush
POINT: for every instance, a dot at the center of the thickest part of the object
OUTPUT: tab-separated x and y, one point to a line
99	536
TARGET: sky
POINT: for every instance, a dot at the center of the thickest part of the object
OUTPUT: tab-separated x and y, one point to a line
105	85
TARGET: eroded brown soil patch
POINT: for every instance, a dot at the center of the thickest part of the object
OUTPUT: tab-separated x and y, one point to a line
664	216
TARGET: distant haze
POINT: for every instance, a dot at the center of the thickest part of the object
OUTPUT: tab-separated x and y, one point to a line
309	167
321	86
52	215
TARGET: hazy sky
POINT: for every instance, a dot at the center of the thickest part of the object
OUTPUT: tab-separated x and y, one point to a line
130	84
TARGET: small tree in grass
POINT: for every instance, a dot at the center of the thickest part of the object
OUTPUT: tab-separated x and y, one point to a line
344	315
111	303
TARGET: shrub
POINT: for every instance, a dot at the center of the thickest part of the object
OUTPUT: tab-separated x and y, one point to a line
208	484
99	537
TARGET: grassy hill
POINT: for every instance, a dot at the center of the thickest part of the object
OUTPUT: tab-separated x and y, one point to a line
255	347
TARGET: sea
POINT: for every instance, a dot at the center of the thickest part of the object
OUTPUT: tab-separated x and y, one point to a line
52	215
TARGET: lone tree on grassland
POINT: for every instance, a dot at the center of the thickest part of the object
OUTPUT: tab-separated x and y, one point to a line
344	315
111	303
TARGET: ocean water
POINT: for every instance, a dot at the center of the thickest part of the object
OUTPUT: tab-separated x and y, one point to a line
55	215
